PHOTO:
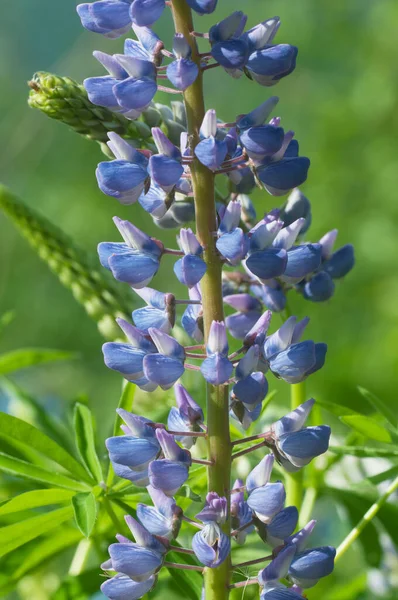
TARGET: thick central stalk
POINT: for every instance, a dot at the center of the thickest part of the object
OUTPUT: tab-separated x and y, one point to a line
219	444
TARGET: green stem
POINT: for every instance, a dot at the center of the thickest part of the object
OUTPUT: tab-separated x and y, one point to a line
368	516
218	441
80	557
294	481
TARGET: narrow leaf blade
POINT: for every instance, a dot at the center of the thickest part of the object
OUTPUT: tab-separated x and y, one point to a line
29	357
367	427
85	511
85	440
380	406
35	499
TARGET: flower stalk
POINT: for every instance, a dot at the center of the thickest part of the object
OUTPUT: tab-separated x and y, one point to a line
218	435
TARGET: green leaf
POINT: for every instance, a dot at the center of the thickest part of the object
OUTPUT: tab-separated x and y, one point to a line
380	406
189	582
367	427
186	492
46	550
42	417
35	499
17	534
336	409
364	451
21	468
28	357
79	587
369	539
25	433
85	509
85	440
380	477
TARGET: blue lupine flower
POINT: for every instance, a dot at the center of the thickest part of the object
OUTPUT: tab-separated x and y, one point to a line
301	261
271	295
340	262
155	201
160	311
232	243
261	35
203	7
187	416
128	358
249	311
257	116
278	567
136	260
100	90
267	264
146	12
319	288
107	17
251	387
164	518
164	367
190	268
296	445
213	148
131	453
231	54
241	514
216	368
308	567
215	509
182	72
297	206
133	560
266	501
277	591
192	319
165	168
270	64
281	526
121	587
300	539
171	472
126	177
290	359
261	474
262	140
280	176
257	333
211	545
230	27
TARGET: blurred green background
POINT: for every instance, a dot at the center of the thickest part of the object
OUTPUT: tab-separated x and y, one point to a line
341	101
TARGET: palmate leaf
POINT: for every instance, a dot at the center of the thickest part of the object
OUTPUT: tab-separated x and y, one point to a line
380	406
367	427
35	499
23	432
85	511
85	440
17	534
42	417
20	468
75	269
29	357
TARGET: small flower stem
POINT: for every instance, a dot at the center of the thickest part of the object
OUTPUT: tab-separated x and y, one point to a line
195	355
191	522
294	481
196	302
248	450
198	347
173	252
212	66
192	367
256	561
218	440
368	516
168	90
242	584
188	433
181	550
171	565
242	528
199	461
252	438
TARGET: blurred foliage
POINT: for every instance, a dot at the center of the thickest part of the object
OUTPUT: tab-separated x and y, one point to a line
341	101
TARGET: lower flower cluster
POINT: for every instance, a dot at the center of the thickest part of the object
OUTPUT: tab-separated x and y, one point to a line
258	505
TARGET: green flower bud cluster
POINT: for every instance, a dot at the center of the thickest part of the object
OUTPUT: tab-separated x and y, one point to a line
65	100
73	267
